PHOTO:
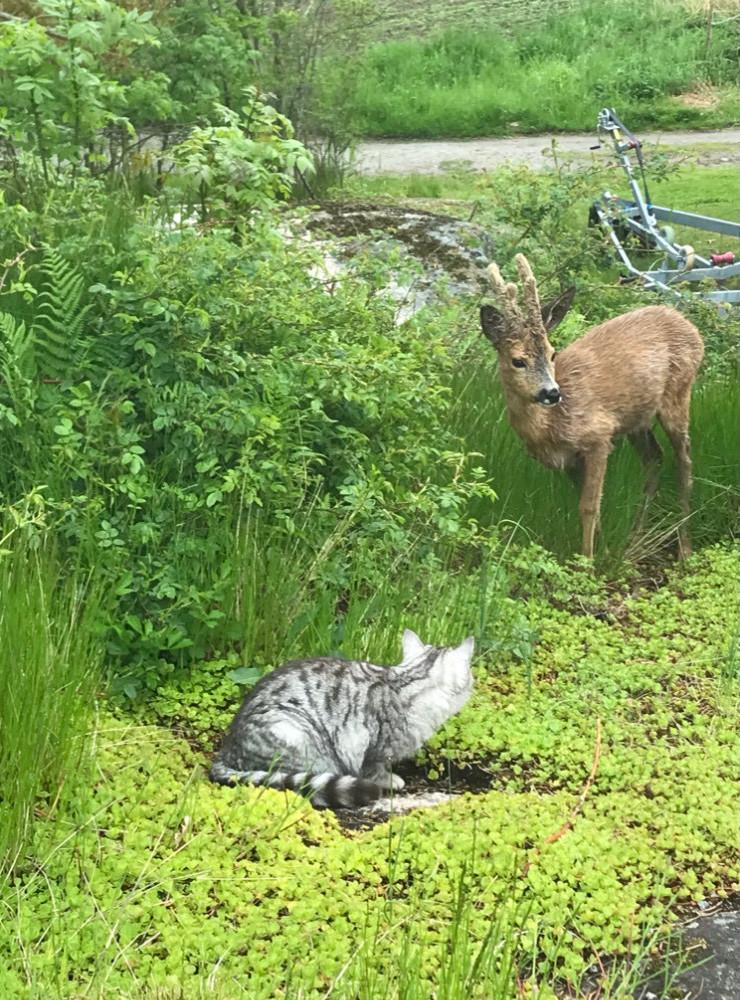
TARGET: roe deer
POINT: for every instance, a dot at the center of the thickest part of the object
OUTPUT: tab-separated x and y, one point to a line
615	379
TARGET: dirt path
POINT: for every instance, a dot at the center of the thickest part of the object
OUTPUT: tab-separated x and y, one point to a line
432	156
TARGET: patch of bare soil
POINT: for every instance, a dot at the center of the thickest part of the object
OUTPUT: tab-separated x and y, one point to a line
419	793
702	96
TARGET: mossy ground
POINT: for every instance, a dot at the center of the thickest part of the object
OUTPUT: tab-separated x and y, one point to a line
178	888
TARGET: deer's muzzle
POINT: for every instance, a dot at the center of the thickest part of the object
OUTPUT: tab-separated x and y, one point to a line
549	395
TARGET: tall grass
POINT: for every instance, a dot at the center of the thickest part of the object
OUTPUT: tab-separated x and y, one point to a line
496	966
555	75
310	594
542	504
324	587
49	665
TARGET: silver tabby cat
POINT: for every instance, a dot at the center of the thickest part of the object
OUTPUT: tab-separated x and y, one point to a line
331	729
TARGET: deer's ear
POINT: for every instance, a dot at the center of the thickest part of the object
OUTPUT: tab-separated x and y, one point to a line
554	311
492	324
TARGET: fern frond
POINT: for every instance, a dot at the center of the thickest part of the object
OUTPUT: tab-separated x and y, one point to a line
16	346
17	364
58	327
107	352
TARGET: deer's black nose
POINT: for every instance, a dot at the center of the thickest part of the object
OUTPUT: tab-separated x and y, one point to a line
549	397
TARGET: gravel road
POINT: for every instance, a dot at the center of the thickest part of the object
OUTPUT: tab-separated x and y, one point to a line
430	156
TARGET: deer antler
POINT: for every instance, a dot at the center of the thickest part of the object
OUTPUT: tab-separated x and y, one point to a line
506	292
531	298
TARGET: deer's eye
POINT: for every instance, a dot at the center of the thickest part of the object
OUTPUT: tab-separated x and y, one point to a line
554	355
519	362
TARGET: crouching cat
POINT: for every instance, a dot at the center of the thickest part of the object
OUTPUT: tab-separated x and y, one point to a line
330	729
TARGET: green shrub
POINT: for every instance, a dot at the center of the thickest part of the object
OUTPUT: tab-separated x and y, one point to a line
58	91
207	379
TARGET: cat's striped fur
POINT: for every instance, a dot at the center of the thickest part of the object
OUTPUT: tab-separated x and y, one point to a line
331	729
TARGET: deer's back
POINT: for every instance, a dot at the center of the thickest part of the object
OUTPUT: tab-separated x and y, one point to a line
614	378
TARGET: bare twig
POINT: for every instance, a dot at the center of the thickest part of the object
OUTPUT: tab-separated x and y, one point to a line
9	265
577	808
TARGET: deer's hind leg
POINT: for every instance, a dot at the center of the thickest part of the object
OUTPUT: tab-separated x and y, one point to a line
651	455
674	416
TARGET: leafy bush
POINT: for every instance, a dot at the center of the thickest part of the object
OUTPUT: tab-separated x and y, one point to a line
207	378
58	89
245	162
163	382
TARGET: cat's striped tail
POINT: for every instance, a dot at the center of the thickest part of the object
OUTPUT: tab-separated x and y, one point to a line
325	791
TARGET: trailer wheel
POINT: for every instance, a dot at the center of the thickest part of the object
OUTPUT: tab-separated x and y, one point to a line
689	256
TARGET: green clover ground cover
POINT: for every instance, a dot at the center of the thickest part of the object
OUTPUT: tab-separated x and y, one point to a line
176	885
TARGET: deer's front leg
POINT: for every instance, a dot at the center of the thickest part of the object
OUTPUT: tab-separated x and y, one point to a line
594	470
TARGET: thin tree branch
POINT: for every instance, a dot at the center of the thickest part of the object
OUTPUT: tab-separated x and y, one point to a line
577	808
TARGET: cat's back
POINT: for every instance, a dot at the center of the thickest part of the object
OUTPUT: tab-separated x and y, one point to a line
318	685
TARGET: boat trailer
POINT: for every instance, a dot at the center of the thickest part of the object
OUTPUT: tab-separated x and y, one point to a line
650	226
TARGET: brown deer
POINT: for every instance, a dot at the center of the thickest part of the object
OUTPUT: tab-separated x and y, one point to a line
615	379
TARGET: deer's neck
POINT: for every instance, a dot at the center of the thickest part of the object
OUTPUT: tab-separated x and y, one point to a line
532	421
543	429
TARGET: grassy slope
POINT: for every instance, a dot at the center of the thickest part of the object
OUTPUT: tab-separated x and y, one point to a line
691	187
553	74
243	892
412	18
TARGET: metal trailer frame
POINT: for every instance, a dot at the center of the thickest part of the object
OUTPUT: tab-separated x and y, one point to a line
620	218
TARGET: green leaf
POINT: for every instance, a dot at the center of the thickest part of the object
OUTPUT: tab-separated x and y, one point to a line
245	675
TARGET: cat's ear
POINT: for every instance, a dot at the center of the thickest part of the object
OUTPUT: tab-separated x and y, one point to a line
452	669
412	645
457	658
466	648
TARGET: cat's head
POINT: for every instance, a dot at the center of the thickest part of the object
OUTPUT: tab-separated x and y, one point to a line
451	665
